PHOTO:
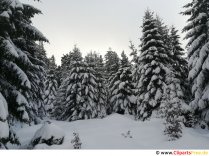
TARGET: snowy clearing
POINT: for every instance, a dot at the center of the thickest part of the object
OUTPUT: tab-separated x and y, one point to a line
112	133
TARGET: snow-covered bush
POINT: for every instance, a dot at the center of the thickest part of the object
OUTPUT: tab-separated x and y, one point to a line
48	134
76	141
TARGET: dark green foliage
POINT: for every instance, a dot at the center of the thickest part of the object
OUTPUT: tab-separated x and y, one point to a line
198	46
152	68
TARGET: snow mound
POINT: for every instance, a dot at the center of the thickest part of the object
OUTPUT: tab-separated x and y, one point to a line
48	134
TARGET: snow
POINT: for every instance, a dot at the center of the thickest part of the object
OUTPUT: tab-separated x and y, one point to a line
21	74
157	70
4	14
16	4
158	94
107	133
47	131
10	48
3	108
4	129
121	85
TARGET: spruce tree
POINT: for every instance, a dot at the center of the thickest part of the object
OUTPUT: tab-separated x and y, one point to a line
51	86
112	63
163	30
58	75
133	53
78	96
122	96
180	64
68	59
102	88
173	107
96	61
198	47
152	68
21	72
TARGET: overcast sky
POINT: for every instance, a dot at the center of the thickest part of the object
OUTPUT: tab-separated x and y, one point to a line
99	24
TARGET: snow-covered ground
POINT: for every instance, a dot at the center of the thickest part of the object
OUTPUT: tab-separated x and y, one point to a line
111	133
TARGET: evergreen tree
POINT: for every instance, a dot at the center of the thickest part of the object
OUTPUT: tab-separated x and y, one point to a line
79	100
112	63
60	101
21	72
124	62
135	66
58	75
41	55
68	59
198	48
179	64
152	68
133	53
92	58
163	30
51	86
122	96
96	61
173	107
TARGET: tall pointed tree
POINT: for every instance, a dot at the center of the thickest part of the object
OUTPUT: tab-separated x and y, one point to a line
96	61
78	96
21	72
122	96
152	68
68	59
180	64
51	86
133	53
111	63
173	107
198	47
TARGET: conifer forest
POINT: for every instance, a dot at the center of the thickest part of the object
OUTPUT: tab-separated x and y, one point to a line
156	95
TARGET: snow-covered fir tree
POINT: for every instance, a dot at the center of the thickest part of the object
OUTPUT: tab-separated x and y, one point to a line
152	68
133	53
198	47
134	65
102	88
79	94
21	72
180	64
163	30
51	86
59	102
33	66
68	59
62	72
124	62
41	55
96	61
112	63
122	96
173	107
58	75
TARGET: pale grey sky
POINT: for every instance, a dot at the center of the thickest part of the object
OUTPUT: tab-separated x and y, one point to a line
99	24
